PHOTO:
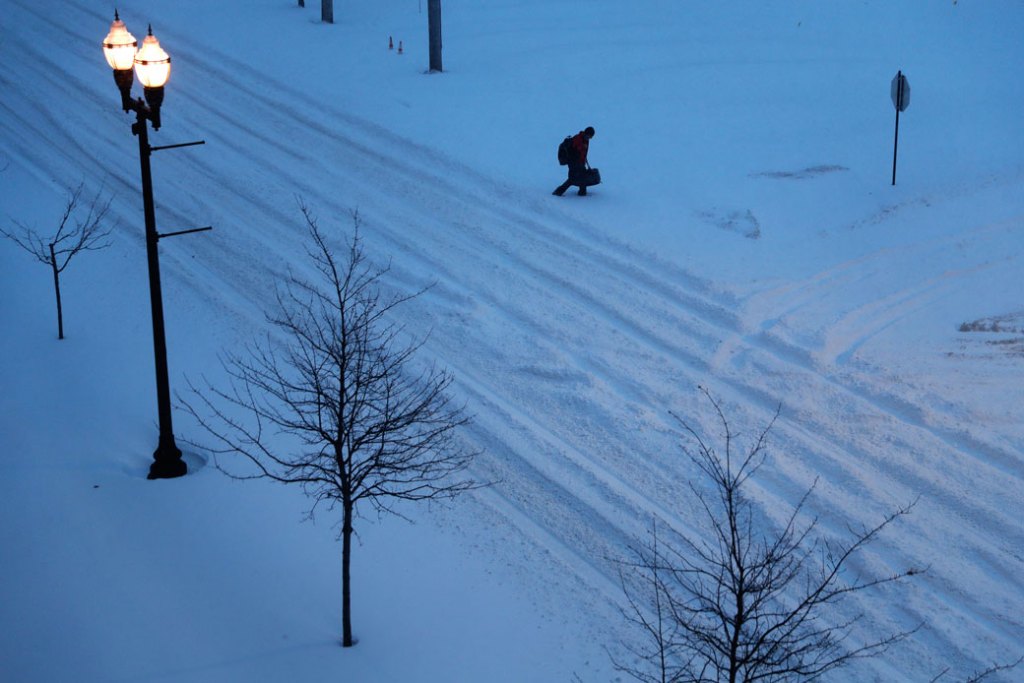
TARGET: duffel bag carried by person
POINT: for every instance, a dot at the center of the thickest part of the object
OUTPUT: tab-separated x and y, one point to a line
591	176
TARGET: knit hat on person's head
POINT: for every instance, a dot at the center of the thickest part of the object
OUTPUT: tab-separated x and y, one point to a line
589	131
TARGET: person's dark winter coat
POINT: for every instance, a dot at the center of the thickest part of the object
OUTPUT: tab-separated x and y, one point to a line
580	145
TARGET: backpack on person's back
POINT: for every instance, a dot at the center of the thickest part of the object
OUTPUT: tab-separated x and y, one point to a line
565	151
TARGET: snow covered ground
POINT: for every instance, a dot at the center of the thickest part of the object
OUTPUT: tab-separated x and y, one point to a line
746	239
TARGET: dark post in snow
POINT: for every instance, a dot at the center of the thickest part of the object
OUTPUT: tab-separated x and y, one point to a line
153	65
167	462
327	11
434	27
900	92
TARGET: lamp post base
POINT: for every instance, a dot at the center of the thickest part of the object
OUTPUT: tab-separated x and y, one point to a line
167	463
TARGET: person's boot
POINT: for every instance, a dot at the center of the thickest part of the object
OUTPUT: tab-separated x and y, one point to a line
582	192
560	190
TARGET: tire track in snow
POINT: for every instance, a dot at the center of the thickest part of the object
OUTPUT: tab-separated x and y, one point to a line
417	172
850	331
741	387
544	260
494	301
524	265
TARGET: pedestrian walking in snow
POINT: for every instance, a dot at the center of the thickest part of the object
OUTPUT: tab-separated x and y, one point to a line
576	160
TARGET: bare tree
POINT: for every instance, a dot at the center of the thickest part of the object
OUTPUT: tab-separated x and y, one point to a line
663	658
336	406
979	676
744	604
86	234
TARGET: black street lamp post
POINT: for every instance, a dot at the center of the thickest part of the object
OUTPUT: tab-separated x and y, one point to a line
153	66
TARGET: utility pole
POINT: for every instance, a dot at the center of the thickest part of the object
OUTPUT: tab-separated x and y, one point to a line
434	27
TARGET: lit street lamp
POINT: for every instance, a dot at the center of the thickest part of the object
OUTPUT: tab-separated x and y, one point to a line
153	67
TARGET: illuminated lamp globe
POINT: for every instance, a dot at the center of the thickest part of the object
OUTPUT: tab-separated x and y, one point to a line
119	46
152	64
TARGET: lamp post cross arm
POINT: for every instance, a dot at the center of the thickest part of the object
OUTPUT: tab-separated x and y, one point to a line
161	235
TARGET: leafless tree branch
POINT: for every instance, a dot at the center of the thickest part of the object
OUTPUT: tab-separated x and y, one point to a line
337	406
979	676
742	604
81	228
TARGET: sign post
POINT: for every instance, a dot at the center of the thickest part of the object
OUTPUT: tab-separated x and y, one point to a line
900	93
